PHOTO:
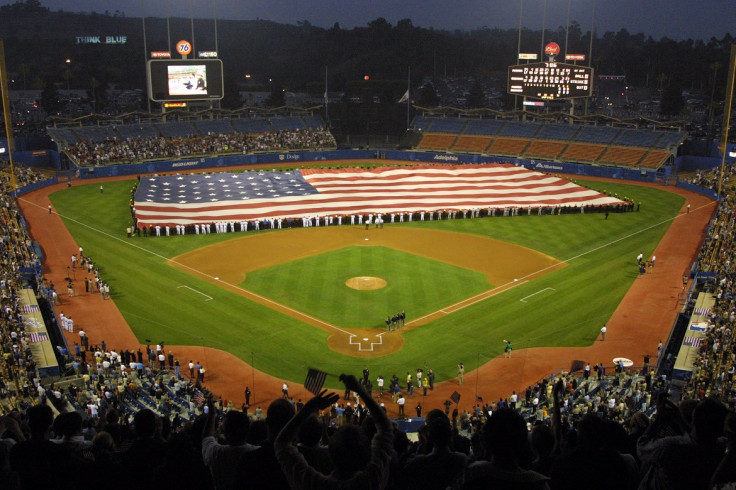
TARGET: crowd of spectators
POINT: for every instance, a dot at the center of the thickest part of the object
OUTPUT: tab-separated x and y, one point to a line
708	179
140	149
715	366
136	421
18	371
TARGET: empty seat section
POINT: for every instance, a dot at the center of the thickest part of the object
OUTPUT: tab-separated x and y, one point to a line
670	138
95	134
214	126
141	130
545	149
448	125
637	137
583	152
623	155
287	123
654	159
251	126
176	129
483	127
562	132
63	136
437	141
472	144
597	134
516	129
508	146
313	122
422	123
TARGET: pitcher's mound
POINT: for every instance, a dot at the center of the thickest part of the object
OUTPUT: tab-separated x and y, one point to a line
365	283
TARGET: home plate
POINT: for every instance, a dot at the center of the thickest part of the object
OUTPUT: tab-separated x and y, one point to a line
365	339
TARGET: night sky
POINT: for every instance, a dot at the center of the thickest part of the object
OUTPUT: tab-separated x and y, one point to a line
675	19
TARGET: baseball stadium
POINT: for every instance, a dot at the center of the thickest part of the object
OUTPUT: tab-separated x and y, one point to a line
260	307
561	268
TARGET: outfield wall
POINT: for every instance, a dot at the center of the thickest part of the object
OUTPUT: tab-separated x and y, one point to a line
311	157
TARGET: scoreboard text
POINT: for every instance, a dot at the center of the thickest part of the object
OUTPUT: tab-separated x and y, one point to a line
550	80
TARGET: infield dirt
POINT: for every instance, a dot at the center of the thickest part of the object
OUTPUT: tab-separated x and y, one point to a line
228	263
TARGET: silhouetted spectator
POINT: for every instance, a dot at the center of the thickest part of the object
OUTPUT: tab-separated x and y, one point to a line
506	443
259	468
222	458
687	460
359	463
146	452
40	463
439	467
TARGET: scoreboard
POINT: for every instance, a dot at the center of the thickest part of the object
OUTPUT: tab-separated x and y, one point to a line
550	80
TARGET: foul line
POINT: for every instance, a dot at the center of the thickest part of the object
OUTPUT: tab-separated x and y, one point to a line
523	300
192	289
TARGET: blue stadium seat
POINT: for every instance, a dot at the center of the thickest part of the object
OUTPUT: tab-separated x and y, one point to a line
637	137
251	126
451	125
514	129
597	134
422	123
483	127
670	139
214	126
313	122
176	129
95	134
289	123
564	132
65	136
139	130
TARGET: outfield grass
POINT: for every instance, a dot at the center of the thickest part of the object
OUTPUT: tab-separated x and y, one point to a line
600	255
412	285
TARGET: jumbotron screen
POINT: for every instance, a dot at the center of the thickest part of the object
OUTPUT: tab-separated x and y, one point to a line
181	80
550	80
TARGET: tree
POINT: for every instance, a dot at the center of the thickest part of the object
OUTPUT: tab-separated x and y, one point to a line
428	96
278	95
231	97
476	98
672	100
92	93
50	100
24	69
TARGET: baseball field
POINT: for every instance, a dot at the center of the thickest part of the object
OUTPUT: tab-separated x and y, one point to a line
284	300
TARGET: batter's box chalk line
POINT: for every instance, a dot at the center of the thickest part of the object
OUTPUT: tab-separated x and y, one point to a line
360	342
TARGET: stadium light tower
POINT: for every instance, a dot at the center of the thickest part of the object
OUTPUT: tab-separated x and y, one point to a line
68	73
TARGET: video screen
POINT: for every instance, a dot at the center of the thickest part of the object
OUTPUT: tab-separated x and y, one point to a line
187	80
182	80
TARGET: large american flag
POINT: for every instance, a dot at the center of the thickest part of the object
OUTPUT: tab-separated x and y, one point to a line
257	195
